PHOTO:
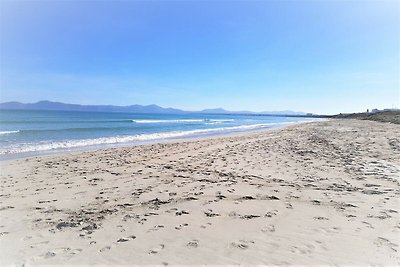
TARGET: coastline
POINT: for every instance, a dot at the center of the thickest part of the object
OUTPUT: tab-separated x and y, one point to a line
311	193
92	148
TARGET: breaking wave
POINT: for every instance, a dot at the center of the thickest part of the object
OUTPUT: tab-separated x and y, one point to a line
69	144
183	121
8	132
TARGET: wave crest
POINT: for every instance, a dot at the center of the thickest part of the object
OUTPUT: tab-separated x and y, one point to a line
184	121
8	132
25	148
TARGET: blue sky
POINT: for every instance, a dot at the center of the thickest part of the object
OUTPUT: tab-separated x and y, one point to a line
322	57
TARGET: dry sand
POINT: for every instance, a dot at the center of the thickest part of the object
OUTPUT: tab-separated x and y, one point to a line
323	193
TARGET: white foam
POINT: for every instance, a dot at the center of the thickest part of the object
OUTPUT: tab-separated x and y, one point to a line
218	121
43	146
165	121
8	132
183	121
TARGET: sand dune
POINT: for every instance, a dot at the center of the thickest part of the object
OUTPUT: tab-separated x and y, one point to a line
323	193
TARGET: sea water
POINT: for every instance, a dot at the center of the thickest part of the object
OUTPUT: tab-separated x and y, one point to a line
26	133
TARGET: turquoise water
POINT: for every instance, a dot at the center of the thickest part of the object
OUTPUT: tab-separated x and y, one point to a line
25	133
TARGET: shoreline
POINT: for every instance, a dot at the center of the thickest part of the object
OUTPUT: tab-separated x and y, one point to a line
93	148
321	193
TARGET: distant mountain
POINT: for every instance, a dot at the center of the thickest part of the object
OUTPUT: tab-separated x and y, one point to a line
48	105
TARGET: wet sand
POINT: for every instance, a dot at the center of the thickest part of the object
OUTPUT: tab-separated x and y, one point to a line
323	193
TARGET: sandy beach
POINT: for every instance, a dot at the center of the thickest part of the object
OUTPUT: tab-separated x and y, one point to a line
322	193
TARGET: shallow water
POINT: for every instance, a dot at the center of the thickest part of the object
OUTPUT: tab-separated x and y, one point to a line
33	132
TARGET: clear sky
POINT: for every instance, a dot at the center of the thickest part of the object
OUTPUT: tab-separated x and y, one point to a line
312	56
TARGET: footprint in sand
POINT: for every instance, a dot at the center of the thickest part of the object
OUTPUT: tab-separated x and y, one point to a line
193	244
105	248
306	249
126	239
268	228
67	250
48	255
242	244
368	224
155	228
298	250
179	213
320	218
210	213
328	230
179	227
60	251
386	242
157	249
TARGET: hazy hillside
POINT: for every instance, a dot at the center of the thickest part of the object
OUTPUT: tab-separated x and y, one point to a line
49	105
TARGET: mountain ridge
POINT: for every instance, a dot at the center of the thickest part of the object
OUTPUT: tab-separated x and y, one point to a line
59	106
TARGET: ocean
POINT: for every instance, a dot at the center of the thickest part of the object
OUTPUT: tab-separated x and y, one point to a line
28	133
